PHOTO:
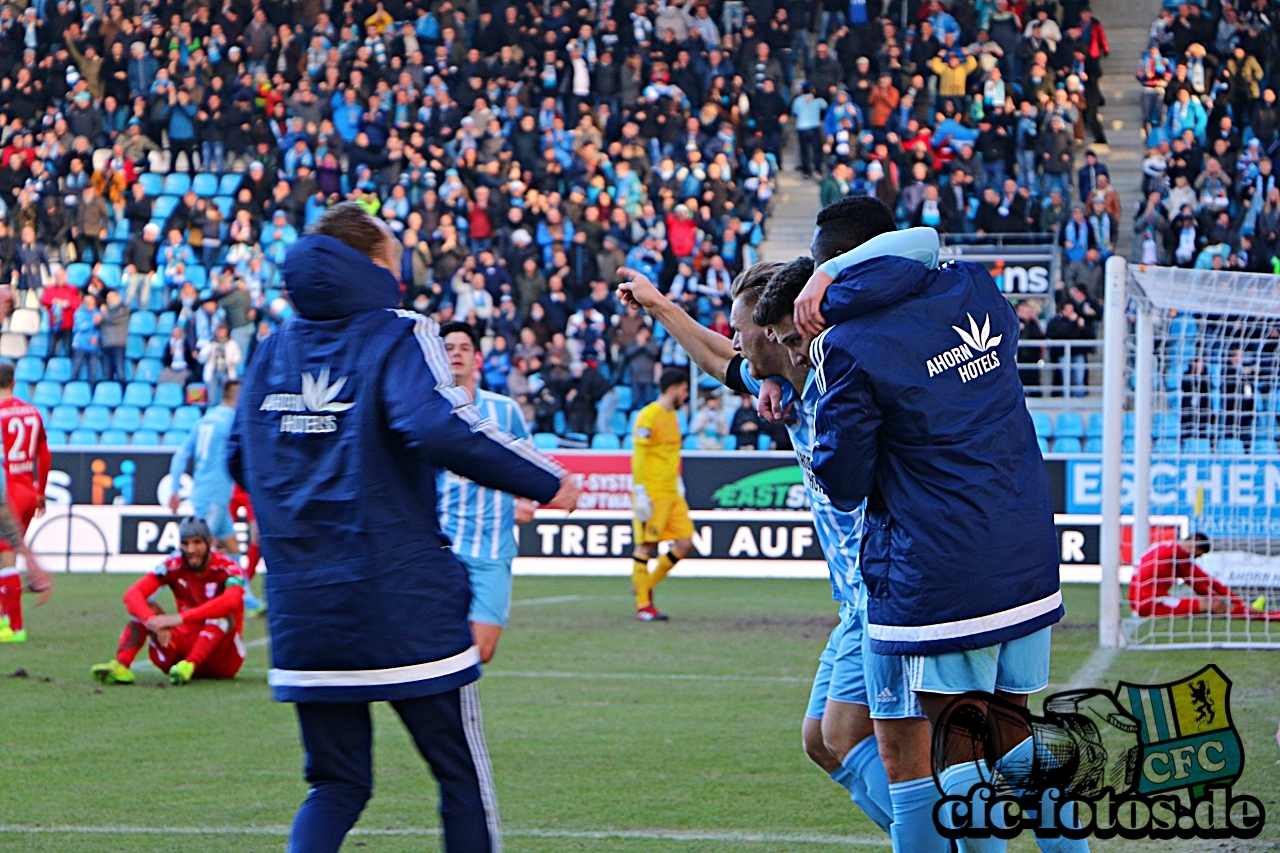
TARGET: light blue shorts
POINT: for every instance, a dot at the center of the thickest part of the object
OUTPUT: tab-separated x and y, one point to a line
888	684
840	675
218	516
1018	666
490	589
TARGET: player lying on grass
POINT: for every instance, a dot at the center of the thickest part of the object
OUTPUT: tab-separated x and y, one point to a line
1166	563
959	558
479	521
201	640
26	471
660	513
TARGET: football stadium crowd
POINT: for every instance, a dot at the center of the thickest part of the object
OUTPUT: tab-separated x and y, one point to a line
159	159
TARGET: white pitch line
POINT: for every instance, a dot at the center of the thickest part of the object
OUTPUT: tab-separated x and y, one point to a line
555	599
727	836
644	676
1093	669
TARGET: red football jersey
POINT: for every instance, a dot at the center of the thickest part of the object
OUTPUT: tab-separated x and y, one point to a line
191	589
26	448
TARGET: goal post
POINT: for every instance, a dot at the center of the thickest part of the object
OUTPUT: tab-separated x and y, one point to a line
1191	396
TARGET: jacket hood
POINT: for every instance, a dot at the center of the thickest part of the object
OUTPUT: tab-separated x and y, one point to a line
873	285
328	280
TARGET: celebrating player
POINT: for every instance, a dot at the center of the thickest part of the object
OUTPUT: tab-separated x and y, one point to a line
350	412
26	469
201	640
658	506
959	500
480	522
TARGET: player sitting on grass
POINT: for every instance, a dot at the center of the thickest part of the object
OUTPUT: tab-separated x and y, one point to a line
26	469
1164	564
658	506
479	521
201	640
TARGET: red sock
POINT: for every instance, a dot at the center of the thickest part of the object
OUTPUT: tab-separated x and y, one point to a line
132	639
210	636
255	554
11	600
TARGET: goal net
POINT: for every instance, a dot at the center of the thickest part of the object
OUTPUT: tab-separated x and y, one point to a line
1200	403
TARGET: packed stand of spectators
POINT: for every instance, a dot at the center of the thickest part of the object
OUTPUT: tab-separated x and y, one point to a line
158	159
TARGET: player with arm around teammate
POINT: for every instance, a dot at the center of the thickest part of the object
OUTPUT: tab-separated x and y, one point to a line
201	640
26	469
480	522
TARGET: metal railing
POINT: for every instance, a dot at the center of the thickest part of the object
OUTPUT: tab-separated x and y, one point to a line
1064	369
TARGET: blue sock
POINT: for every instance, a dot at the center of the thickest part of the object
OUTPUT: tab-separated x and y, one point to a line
864	760
1017	764
957	781
913	829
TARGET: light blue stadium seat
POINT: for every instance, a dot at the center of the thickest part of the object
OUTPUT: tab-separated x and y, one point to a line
545	441
1043	424
154	347
135	347
1129	420
152	183
147	370
77	394
558	423
37	348
31	368
107	394
47	393
205	185
690	442
64	418
142	323
78	274
96	418
174	438
113	253
110	274
164	323
176	183
624	397
159	299
168	394
627	443
1066	445
229	184
605	441
137	394
1069	425
162	208
730	442
1167	446
1040	439
618	423
22	390
120	233
186	417
198	276
146	438
1093	445
1166	425
58	369
1197	445
83	438
682	420
1094	429
113	437
127	418
764	442
157	418
1230	446
56	437
225	203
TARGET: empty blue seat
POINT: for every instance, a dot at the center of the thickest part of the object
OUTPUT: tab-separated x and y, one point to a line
174	438
730	442
1042	423
229	184
96	418
47	393
205	185
197	276
1093	445
56	436
137	394
163	208
186	417
1232	446
77	394
1069	425
58	369
624	397
1166	425
627	443
107	394
1129	420
176	183
83	437
605	441
146	438
113	437
764	442
110	275
135	347
1094	429
147	370
224	203
154	347
544	441
113	253
157	418
1066	445
690	442
1167	446
1197	445
22	390
64	418
1040	439
127	418
29	369
164	323
121	232
78	274
682	420
631	421
558	423
168	394
38	348
142	323
152	183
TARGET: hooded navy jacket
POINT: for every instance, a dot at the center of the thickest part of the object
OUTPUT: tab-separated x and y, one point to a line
347	414
922	414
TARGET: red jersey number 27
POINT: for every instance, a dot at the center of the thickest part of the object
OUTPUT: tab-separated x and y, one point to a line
23	431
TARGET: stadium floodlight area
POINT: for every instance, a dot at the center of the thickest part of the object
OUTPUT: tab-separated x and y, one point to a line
1191	396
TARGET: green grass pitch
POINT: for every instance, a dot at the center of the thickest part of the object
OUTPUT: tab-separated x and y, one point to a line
606	734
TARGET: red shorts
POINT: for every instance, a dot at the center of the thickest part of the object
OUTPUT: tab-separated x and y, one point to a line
223	662
240	498
22	502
